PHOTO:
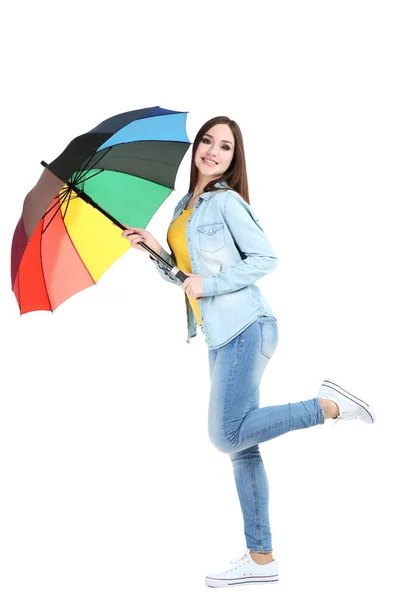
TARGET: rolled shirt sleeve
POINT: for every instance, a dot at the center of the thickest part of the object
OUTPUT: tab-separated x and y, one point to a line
249	236
162	269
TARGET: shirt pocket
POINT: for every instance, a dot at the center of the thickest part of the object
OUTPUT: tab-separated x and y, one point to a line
212	237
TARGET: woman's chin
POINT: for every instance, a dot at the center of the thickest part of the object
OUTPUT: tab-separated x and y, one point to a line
208	171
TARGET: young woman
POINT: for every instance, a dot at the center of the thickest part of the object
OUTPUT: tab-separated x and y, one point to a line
215	238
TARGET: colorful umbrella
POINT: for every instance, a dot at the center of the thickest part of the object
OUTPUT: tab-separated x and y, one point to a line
119	172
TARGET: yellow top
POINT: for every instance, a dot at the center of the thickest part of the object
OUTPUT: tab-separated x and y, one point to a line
177	240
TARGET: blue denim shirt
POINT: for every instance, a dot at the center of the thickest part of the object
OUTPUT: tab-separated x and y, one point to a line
229	249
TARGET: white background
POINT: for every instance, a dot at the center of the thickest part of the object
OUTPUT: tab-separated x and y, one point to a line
109	483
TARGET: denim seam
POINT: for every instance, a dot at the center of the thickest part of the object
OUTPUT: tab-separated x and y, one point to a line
255	499
227	395
229	386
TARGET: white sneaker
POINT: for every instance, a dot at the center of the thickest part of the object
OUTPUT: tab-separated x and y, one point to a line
244	571
350	407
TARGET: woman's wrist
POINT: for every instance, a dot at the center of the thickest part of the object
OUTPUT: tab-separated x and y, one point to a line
157	248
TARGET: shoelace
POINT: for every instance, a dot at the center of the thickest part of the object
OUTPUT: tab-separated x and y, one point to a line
240	561
346	415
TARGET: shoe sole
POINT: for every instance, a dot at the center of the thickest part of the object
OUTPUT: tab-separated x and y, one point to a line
336	388
243	581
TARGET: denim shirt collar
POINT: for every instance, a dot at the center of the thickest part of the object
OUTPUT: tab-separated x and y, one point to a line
205	195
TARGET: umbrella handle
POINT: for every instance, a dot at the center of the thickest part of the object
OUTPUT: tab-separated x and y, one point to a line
174	270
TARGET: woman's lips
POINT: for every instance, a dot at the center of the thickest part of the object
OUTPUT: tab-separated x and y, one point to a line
209	164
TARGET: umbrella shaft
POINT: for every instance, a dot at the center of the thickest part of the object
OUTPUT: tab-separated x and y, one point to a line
179	274
88	199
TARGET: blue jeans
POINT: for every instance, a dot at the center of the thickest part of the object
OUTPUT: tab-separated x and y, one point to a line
236	424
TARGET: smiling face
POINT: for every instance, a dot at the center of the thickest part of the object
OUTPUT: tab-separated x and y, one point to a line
214	153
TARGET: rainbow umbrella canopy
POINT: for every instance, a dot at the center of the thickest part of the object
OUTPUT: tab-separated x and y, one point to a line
119	172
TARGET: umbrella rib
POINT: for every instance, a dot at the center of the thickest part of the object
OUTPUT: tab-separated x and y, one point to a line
66	208
100	158
124	173
82	178
59	208
83	168
57	200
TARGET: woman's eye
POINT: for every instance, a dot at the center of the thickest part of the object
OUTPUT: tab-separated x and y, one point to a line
207	141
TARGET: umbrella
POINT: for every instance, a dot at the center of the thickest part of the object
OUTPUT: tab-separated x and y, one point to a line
119	172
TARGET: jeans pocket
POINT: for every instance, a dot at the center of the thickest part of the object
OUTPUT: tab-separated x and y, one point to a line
269	335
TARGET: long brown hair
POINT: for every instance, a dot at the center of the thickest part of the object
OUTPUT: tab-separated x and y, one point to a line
236	174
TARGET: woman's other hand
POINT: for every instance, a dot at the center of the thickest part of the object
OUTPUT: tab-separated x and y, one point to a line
193	285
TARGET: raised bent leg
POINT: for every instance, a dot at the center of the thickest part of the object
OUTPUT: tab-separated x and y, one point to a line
235	421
